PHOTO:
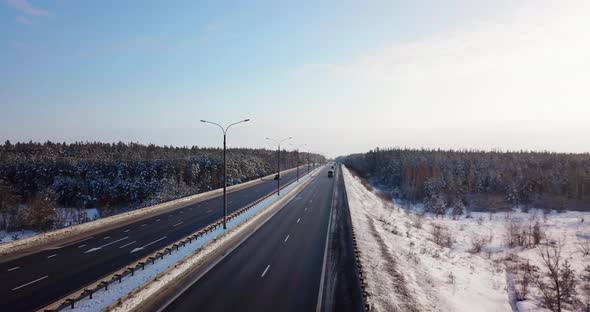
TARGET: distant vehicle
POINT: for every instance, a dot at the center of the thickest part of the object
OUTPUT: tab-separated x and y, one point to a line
331	173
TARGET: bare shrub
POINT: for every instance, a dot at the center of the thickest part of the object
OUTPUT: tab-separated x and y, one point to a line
537	233
479	242
480	220
585	278
40	213
514	231
584	247
524	278
557	284
441	235
451	279
417	220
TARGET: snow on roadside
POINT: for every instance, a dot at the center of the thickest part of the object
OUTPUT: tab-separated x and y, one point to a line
406	271
456	279
7	237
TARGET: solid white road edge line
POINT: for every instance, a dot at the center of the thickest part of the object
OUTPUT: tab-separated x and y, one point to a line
29	283
321	291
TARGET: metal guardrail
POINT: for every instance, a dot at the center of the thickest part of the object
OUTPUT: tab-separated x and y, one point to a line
357	256
70	300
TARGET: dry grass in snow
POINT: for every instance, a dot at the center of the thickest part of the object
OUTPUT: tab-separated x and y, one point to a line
417	262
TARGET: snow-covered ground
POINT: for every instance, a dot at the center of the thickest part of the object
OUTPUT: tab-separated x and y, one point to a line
407	271
7	237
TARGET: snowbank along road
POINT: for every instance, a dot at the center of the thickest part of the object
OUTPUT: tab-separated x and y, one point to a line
41	278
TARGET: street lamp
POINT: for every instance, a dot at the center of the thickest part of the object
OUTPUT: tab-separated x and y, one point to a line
297	159
224	130
279	162
308	152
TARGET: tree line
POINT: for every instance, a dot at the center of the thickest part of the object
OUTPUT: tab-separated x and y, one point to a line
449	181
37	178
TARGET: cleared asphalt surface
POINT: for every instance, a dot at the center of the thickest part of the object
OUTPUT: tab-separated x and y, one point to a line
279	268
33	281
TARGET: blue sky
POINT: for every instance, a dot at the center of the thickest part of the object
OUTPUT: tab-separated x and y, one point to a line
337	75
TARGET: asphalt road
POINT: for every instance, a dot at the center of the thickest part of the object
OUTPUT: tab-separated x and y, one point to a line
278	268
342	288
36	280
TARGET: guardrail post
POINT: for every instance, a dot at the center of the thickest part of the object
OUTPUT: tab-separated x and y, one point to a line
118	276
132	270
142	265
106	285
71	303
88	291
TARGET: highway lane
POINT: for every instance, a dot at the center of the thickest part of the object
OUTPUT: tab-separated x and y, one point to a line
278	268
35	280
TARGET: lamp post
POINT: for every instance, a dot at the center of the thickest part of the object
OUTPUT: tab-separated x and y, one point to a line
224	130
297	159
279	162
308	164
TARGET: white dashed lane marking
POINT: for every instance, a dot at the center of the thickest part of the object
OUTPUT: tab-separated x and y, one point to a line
29	283
133	242
265	270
